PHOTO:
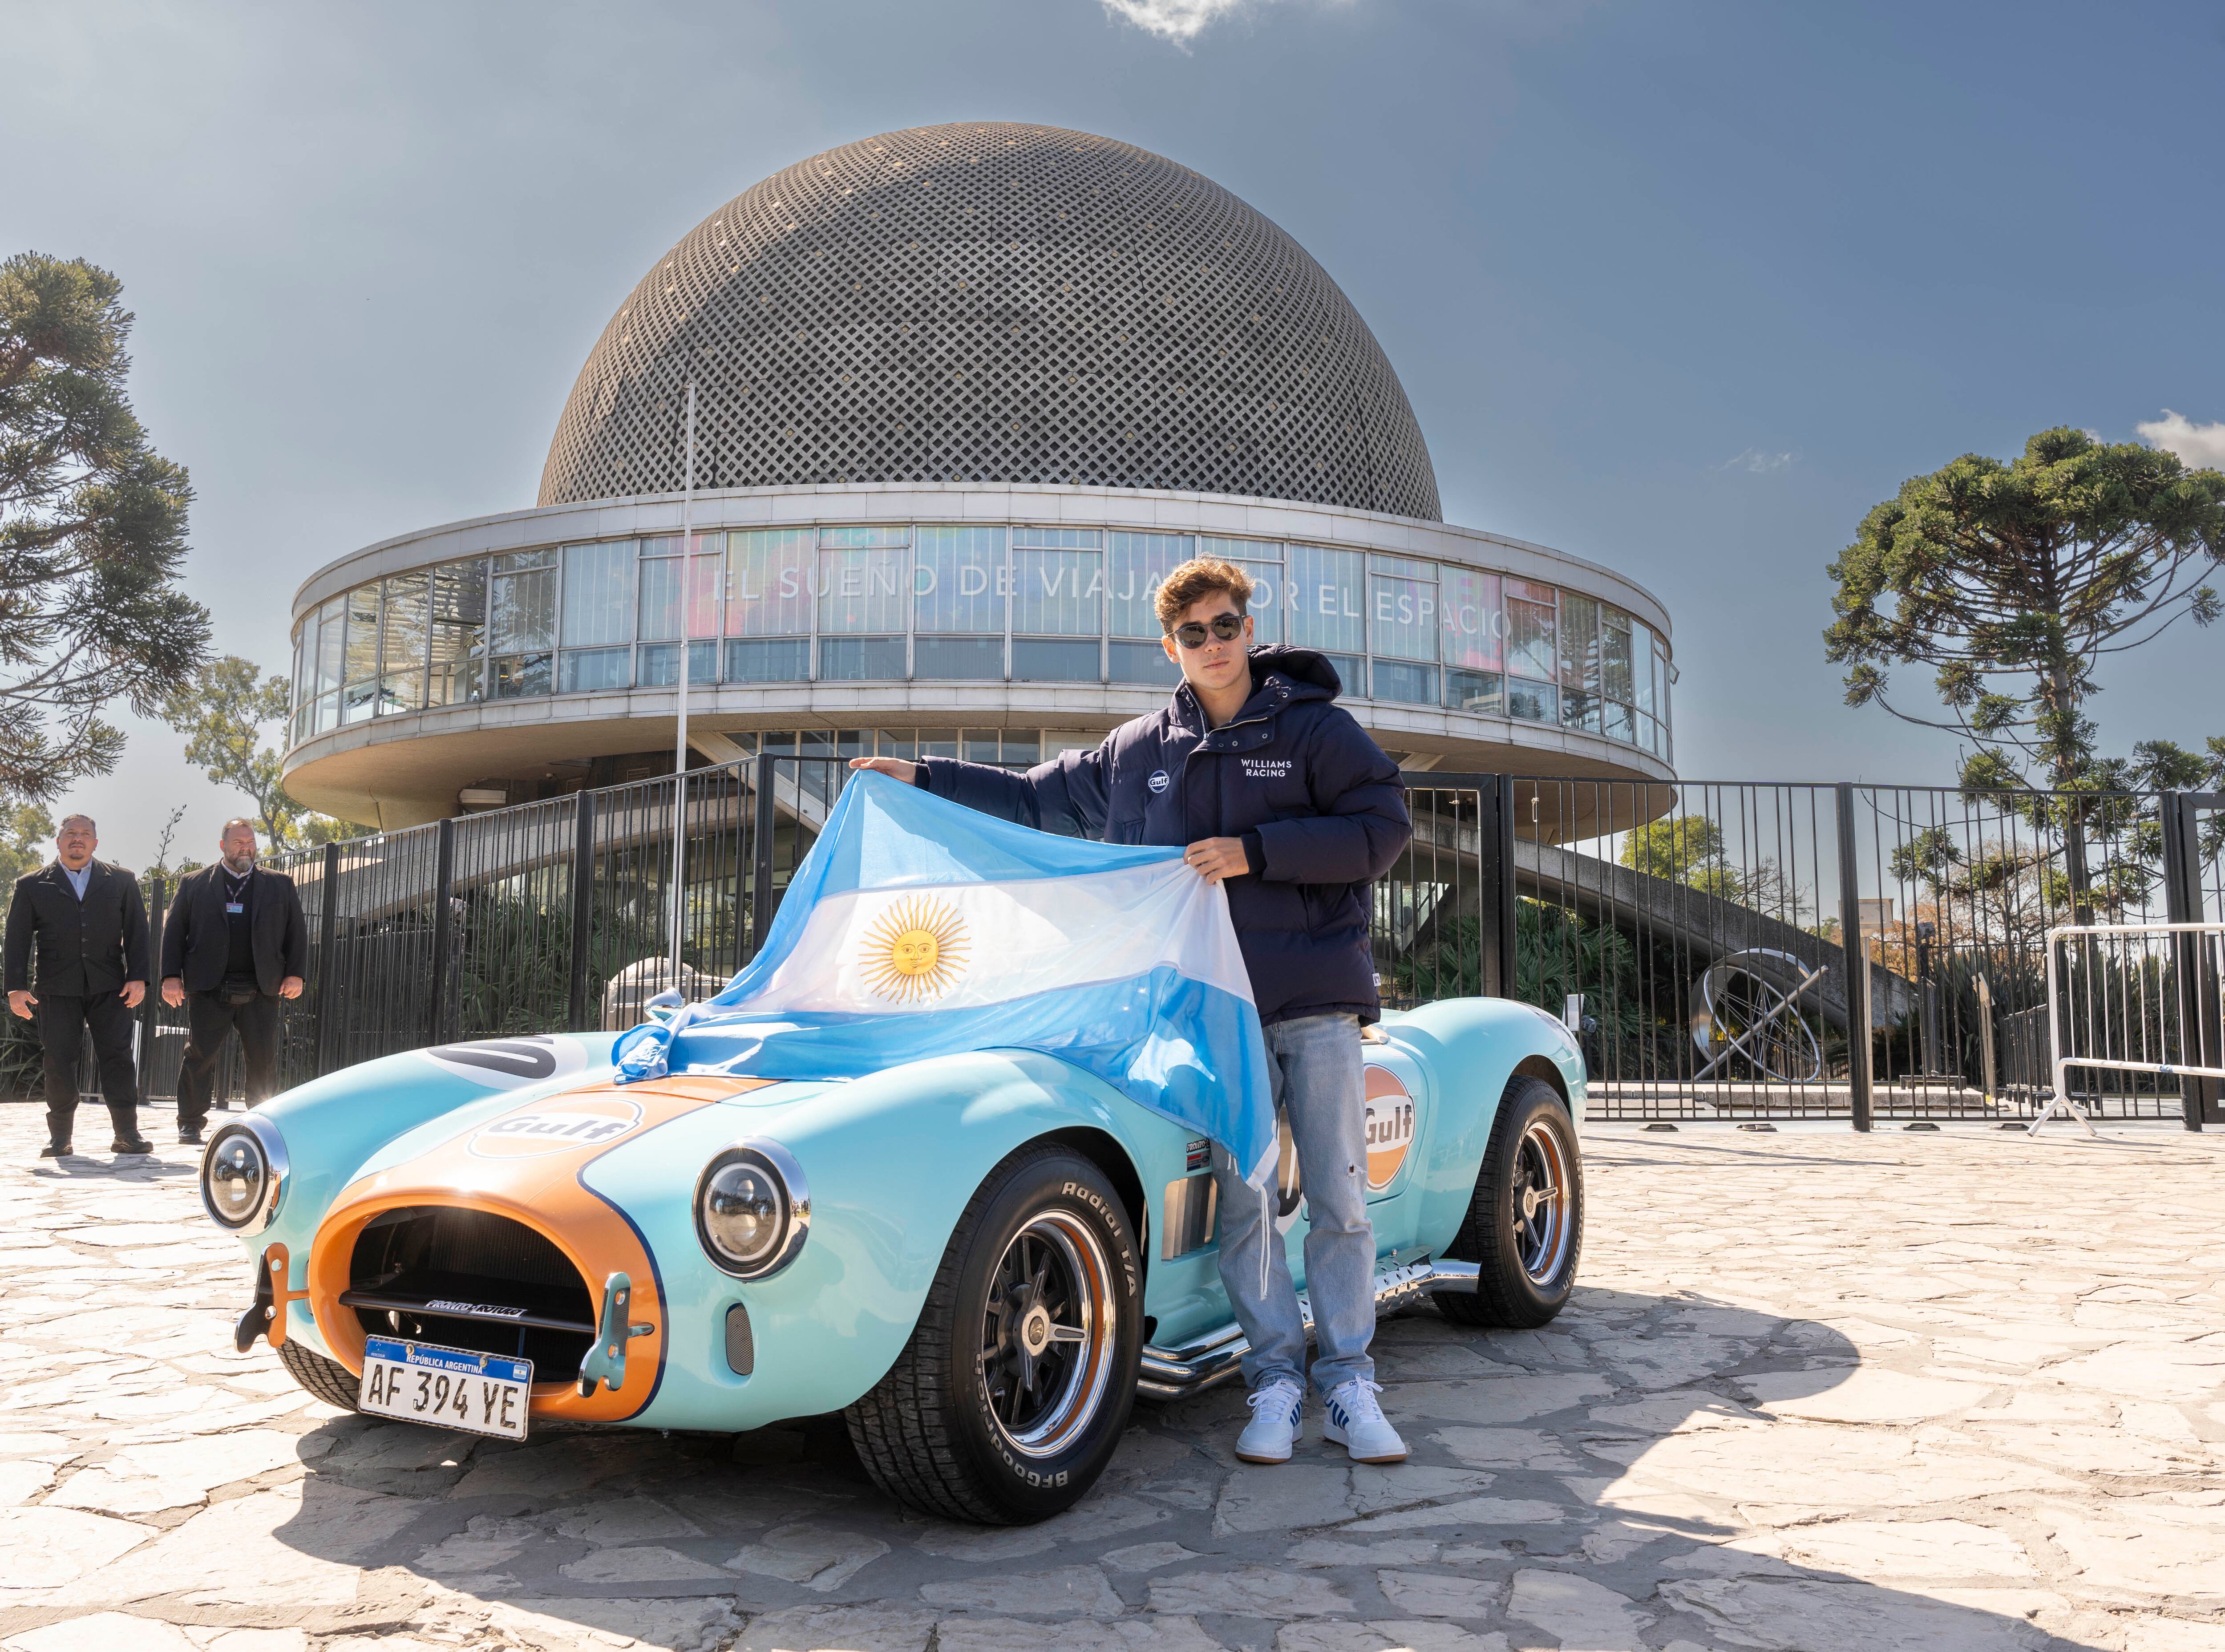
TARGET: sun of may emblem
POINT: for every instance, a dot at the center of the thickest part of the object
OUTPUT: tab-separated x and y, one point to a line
915	951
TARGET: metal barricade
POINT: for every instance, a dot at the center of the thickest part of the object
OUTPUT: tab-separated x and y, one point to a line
2121	1005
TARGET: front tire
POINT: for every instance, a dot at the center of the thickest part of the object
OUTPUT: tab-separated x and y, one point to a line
1011	1396
1524	1226
325	1378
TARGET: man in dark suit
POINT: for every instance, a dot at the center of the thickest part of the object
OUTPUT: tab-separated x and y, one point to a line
89	927
235	945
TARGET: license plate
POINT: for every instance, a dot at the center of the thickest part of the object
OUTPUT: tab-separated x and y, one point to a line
449	1387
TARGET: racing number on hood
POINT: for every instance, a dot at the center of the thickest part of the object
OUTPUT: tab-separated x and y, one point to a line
510	1064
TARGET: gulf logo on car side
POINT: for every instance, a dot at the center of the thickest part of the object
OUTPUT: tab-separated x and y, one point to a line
561	1124
1389	1126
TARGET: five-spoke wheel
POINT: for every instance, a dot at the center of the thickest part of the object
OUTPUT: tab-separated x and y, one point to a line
1525	1219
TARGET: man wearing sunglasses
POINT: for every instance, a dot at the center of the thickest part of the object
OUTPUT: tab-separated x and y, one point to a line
1273	790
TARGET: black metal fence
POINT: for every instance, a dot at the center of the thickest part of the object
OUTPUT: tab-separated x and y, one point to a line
1702	938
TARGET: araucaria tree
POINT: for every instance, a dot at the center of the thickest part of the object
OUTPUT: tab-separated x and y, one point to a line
2012	582
92	529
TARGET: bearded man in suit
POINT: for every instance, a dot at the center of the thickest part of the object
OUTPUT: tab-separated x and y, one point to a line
87	924
235	947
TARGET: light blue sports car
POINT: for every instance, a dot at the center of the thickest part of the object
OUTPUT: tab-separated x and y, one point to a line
980	1260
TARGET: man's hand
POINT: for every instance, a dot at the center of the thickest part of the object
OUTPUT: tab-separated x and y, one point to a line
290	987
21	1002
895	767
133	992
173	991
1216	858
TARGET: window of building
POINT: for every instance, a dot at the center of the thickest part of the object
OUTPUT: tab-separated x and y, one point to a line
1143	663
1533	701
770	659
1141	562
1481	694
769	577
402	633
1044	659
1327	607
657	664
359	686
598	595
960	582
583	669
958	659
457	625
1402	621
1531	625
861	660
1469	616
864	589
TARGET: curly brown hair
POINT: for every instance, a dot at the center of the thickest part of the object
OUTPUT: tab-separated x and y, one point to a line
1199	577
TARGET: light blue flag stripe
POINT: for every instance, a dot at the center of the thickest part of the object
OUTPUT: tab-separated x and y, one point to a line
1183	1048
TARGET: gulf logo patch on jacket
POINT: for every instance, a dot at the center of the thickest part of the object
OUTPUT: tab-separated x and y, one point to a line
1389	1126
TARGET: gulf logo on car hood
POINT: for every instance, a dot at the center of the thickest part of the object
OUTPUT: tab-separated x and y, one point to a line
1389	1126
561	1124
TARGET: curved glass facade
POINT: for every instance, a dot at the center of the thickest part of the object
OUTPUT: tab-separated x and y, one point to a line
959	605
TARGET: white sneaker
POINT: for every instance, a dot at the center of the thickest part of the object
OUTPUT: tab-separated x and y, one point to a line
1357	1423
1277	1413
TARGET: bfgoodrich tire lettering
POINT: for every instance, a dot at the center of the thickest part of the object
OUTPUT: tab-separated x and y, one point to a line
325	1378
1011	1396
1524	1226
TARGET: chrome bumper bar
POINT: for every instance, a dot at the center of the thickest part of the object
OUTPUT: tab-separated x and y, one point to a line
1192	1367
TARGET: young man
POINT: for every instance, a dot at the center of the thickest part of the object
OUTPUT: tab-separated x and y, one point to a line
235	945
89	927
1274	790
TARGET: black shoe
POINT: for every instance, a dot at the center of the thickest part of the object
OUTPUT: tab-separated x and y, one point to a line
189	1135
131	1144
55	1150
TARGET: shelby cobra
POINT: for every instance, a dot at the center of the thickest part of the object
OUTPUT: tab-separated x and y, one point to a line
980	1260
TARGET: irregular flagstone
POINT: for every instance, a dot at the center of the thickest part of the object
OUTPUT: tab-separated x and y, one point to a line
1678	1411
42	1548
2168	1371
877	1628
1790	1615
2146	1550
24	1479
691	1625
299	1546
102	1632
1929	1549
1068	1591
1429	1594
1503	1398
1283	1498
1482	1513
1377	1487
1148	1557
1864	1395
816	1556
2174	1635
1579	1613
646	1563
626	1520
1518	1448
1153	1634
484	1544
1390	1636
1248	1592
1329	1551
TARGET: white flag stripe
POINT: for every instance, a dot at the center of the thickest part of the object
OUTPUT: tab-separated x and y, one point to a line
1016	938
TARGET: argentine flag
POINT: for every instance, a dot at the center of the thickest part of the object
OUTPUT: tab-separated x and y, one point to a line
917	927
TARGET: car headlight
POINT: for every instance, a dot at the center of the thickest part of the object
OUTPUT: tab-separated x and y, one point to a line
244	1175
752	1208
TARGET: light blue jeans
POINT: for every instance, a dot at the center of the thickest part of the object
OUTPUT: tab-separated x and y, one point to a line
1314	1066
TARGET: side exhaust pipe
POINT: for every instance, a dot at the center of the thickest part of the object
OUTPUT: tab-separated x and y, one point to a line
1201	1362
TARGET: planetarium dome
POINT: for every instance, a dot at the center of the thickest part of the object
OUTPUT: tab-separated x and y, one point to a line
993	303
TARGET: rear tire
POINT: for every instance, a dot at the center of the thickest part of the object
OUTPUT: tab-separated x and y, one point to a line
1524	1226
325	1378
1011	1394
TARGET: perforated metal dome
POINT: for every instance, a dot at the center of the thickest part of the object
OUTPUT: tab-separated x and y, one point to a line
993	303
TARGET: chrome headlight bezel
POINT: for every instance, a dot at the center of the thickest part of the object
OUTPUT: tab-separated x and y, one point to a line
276	1166
787	1175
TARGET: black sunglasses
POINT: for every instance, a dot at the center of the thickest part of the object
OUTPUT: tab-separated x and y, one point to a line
1224	627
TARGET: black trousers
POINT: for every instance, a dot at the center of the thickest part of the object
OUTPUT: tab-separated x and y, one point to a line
209	1022
63	1023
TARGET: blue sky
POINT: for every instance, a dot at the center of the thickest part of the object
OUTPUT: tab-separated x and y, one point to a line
1681	288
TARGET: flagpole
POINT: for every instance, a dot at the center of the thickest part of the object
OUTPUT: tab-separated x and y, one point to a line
687	647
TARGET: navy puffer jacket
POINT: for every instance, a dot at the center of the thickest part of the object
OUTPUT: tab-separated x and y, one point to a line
1317	803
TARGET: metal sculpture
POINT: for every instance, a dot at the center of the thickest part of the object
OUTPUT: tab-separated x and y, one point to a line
1746	1005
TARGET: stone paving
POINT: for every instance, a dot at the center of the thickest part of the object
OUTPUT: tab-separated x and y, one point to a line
1959	1390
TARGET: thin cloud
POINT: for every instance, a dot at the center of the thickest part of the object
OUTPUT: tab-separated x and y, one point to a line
2200	445
1179	21
1755	460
